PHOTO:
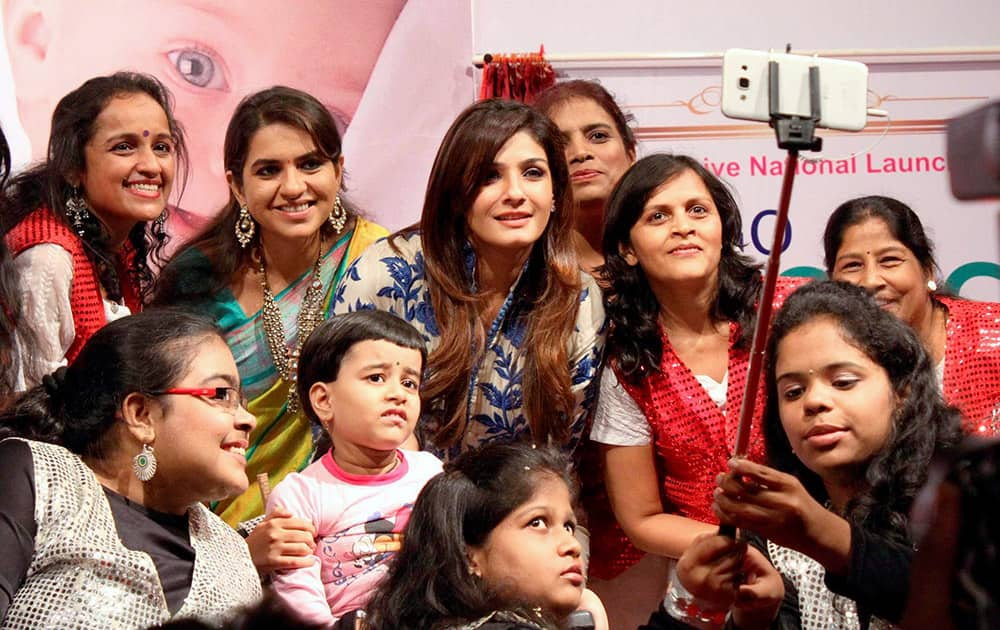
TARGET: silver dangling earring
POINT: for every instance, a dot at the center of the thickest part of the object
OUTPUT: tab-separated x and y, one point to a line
553	209
144	464
931	286
339	215
160	221
77	210
245	227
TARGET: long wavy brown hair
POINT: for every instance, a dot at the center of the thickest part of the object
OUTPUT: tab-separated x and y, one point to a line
551	282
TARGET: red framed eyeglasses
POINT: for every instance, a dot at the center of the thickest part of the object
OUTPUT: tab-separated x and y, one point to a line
229	397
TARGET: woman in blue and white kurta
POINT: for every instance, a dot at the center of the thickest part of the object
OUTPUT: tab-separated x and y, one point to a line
476	212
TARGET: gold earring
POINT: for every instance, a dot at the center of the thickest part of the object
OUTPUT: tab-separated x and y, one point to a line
339	215
245	227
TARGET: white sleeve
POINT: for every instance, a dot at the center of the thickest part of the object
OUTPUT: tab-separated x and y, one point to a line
618	421
302	589
45	275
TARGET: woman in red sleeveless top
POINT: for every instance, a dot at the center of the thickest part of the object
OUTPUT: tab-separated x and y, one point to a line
681	300
84	224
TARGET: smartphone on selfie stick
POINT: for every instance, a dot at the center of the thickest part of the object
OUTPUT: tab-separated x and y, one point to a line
747	90
796	94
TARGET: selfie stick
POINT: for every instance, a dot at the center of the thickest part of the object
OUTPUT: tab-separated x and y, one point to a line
794	134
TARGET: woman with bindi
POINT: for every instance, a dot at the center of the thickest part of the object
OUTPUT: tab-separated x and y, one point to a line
879	243
265	270
86	225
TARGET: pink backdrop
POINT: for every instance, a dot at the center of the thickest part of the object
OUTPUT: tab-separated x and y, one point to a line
424	76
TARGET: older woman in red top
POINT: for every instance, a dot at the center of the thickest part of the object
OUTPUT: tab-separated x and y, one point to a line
879	243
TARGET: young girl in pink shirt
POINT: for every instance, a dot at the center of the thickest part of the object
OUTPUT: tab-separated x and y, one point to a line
359	378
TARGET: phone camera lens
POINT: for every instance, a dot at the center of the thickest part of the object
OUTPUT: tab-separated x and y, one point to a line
744	83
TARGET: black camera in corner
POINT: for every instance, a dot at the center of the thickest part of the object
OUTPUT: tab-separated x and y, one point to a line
974	153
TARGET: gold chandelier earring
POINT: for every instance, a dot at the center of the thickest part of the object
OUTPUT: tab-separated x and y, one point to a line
245	227
338	218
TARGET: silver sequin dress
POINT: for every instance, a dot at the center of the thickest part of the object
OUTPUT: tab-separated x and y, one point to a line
819	607
82	576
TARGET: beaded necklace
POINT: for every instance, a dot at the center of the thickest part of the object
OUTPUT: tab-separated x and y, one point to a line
286	361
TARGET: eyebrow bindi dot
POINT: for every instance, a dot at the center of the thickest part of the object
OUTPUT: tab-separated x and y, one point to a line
145	133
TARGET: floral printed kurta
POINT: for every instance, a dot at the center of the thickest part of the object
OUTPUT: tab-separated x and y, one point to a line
395	282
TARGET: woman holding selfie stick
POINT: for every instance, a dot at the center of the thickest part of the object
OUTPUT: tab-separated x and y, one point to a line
853	419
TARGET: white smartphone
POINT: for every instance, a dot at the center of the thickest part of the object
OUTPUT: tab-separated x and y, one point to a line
843	88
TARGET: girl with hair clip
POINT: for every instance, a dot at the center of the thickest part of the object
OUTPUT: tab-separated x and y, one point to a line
489	277
681	301
265	271
105	471
878	243
600	146
87	223
853	420
489	544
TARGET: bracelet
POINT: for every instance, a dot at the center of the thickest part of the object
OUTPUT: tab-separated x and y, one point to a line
683	606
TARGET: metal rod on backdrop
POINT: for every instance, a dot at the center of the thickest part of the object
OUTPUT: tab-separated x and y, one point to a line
794	133
714	57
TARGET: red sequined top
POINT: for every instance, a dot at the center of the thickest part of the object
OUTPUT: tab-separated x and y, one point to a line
972	363
693	438
42	226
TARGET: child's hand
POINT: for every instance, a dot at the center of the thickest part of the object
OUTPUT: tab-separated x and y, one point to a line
282	541
710	569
